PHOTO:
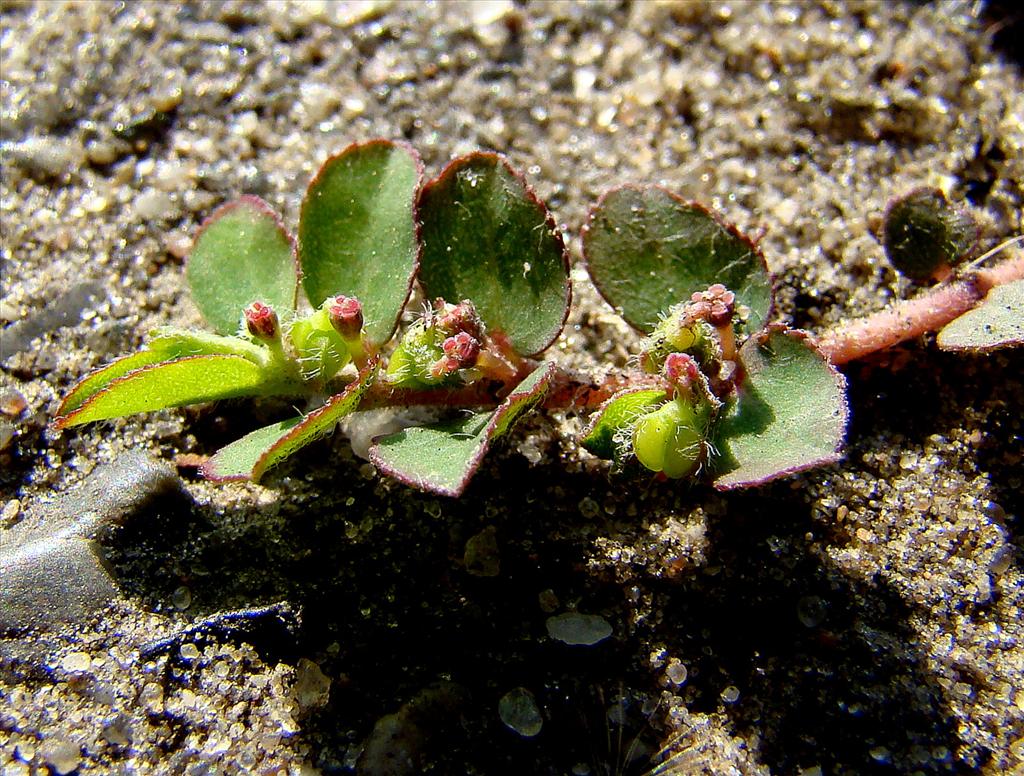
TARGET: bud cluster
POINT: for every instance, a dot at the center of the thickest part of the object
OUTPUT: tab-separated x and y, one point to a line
449	338
716	306
460	352
450	319
464	331
681	370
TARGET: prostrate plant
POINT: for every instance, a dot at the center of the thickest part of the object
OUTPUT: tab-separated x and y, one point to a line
485	236
718	391
744	401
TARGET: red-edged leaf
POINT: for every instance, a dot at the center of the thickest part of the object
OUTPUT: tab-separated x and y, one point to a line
489	239
443	458
250	457
170	384
790	416
242	254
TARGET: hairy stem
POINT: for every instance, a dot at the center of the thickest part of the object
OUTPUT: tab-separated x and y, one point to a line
913	317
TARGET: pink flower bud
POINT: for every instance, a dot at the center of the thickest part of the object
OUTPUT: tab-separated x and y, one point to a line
461	317
681	370
463	348
444	366
346	316
261	320
460	351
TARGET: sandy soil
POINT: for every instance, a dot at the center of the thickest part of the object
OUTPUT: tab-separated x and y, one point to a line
864	617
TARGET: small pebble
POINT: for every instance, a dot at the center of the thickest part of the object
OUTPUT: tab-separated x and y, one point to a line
589	508
481	557
879	754
152	205
312	687
548	601
76	662
45	156
181	598
6	434
519	711
12	403
579	629
63	756
189	651
10	513
676	672
810	610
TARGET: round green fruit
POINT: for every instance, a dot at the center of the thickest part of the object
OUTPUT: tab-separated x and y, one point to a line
670	440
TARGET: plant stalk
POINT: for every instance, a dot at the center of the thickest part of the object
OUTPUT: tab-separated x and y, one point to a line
911	318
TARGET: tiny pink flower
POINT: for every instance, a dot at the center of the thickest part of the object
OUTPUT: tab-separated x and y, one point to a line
261	321
346	316
681	370
461	317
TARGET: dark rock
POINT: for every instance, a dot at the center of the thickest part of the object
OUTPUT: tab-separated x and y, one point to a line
52	574
270	630
50	582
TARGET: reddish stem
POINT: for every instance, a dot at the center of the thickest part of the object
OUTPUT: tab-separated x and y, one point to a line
913	317
570	389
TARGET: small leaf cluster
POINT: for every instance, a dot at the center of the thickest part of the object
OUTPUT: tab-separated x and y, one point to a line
743	401
925	237
717	391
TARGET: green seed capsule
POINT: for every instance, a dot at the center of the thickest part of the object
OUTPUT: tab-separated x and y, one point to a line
670	439
320	349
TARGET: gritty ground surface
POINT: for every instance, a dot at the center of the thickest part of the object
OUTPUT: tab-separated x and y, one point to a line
865	617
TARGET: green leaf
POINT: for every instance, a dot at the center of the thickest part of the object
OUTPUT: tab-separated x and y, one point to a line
164	345
790	415
487	238
237	460
647	250
443	458
169	343
923	233
96	381
997	322
171	384
357	231
250	457
613	422
242	254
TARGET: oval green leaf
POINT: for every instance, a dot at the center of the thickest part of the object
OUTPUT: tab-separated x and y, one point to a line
170	343
997	322
790	415
242	254
96	381
443	458
488	238
647	249
171	384
357	231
